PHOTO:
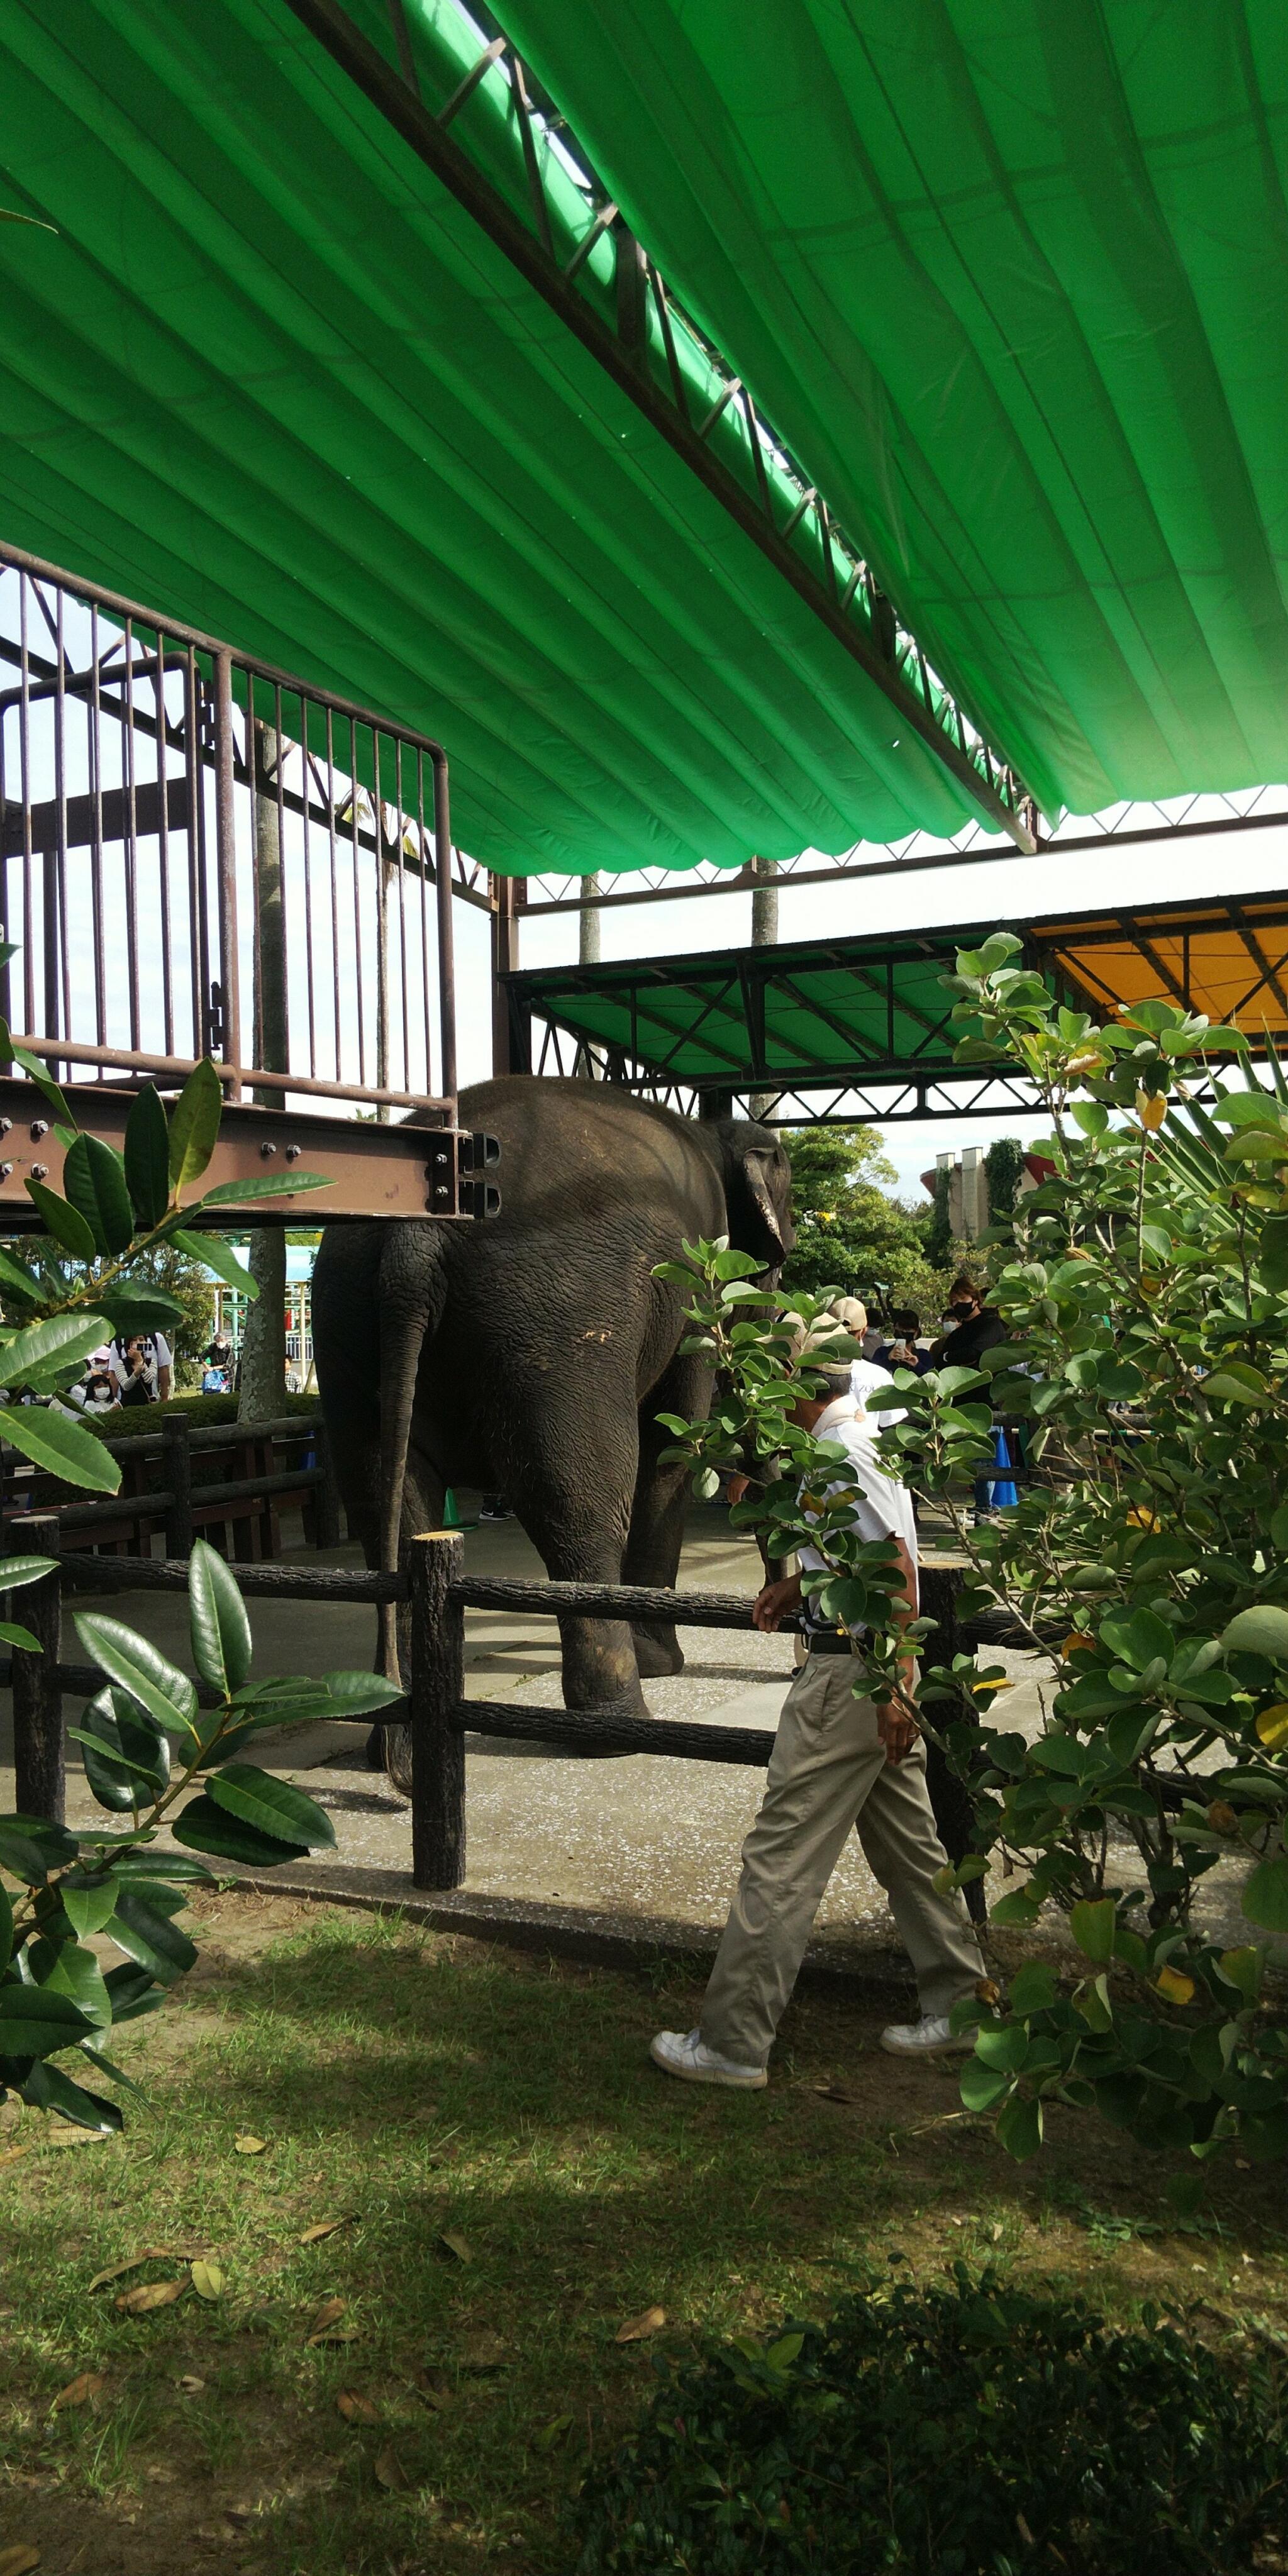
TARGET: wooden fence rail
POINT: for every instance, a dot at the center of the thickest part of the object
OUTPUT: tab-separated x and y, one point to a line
241	1505
437	1591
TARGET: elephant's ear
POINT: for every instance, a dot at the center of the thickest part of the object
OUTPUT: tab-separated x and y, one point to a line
762	1224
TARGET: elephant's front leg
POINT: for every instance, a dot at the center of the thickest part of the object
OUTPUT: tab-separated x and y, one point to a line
573	1496
661	1502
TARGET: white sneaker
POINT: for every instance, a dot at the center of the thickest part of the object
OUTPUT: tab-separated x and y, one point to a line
682	2053
932	2036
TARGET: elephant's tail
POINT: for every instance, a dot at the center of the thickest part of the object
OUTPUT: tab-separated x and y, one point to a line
411	1295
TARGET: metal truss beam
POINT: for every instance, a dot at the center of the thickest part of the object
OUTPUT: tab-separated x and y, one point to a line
841	591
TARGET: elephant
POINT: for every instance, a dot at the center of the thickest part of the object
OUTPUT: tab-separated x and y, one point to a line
531	1352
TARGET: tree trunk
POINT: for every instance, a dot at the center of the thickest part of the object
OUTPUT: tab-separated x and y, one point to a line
263	1351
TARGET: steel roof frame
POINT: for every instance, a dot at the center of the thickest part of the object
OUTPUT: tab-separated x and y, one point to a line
921	1083
843	593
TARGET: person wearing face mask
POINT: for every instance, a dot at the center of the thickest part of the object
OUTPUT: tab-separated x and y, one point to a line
972	1327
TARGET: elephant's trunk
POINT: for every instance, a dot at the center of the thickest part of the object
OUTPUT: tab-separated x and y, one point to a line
408	1302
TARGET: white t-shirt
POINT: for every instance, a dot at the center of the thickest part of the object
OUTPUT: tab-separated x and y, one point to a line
881	1507
156	1356
867	1379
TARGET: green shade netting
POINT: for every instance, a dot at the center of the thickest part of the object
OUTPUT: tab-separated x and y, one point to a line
271	379
1011	276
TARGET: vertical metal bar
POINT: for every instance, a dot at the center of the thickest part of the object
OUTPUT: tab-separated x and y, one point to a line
94	762
198	939
256	899
357	903
163	854
308	884
285	1066
226	861
60	808
6	917
446	963
424	915
24	770
335	901
668	343
402	907
131	842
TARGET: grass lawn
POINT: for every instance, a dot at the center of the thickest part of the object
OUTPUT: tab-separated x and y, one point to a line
516	2183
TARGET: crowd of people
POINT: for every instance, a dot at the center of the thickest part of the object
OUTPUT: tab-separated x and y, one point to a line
138	1368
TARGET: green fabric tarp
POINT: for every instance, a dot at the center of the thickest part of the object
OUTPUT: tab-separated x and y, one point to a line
1012	278
270	378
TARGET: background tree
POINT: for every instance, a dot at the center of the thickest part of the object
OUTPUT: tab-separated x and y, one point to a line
852	1232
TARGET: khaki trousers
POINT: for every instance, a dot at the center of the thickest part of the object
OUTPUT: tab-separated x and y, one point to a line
828	1771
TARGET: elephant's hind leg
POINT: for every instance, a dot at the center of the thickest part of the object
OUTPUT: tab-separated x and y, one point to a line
661	1502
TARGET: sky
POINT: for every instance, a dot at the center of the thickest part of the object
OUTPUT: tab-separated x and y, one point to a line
985	893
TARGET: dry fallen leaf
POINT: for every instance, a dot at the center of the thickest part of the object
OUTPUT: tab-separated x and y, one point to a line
327	2314
327	2326
10	2157
649	2322
357	2409
72	2135
150	2254
152	2294
456	2244
834	2092
250	2146
207	2280
17	2561
78	2392
390	2470
190	2385
326	2227
482	2350
435	2387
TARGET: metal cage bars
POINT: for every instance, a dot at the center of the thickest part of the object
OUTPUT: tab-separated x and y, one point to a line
560	228
175	816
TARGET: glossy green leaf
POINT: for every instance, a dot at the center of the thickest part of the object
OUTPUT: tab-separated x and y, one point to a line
74	1972
126	1756
88	1904
12	1635
141	1309
58	1343
37	1073
1262	1630
345	1694
1019	2127
272	1806
94	1184
65	1223
53	1439
158	1685
194	1125
1093	1925
133	1990
151	1938
203	1826
147	1157
30	1847
218	1256
221	1641
271	1185
1265	1896
50	2088
17	1570
17	1281
982	2086
34	2022
1033	1988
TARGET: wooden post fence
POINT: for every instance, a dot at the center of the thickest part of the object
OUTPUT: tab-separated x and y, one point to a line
176	1476
437	1691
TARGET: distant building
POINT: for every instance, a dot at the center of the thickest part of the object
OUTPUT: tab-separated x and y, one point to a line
968	1207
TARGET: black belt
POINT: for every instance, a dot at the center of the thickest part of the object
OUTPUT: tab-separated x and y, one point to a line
826	1641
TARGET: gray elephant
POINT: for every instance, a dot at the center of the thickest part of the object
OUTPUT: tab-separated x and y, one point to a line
530	1353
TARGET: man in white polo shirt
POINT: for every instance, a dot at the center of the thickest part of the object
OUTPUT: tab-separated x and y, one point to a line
837	1761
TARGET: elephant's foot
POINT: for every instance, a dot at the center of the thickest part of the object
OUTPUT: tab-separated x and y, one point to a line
374	1749
657	1652
395	1760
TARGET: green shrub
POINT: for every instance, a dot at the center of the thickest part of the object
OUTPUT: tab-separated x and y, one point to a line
963	2430
198	1410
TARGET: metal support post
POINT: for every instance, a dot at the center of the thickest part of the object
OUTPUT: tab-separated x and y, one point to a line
38	1759
226	864
504	892
437	1690
443	917
176	1477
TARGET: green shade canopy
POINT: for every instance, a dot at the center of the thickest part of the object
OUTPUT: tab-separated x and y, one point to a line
1012	278
271	378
